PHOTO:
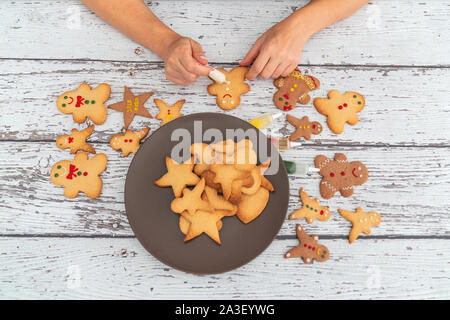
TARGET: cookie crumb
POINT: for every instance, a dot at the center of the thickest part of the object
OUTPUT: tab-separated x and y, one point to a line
137	51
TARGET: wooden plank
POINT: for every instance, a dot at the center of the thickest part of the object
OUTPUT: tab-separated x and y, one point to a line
55	268
402	108
409	187
381	33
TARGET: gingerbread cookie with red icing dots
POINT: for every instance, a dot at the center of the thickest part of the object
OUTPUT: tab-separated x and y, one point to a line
76	140
129	142
339	175
168	113
309	248
85	103
80	174
229	93
303	127
294	88
340	109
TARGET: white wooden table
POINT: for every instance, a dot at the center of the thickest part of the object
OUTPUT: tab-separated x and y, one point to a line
396	53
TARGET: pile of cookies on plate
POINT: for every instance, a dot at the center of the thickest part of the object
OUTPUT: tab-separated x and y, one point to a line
226	182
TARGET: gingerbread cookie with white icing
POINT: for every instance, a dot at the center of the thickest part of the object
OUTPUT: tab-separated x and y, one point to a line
229	93
80	174
309	248
294	88
339	175
361	222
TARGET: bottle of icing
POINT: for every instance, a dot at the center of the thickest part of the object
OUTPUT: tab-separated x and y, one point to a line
265	120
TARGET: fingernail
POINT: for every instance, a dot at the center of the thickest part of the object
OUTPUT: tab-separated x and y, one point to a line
203	57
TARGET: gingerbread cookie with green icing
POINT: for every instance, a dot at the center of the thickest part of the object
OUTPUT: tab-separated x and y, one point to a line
80	174
309	248
76	140
311	209
303	127
294	88
85	103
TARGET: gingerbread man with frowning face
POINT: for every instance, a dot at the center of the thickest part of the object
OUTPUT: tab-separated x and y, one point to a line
339	175
294	88
229	93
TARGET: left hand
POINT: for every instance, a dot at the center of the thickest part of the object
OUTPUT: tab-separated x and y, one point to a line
277	52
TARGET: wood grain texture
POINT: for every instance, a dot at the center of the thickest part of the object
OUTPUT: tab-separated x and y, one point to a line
381	33
404	106
40	268
412	199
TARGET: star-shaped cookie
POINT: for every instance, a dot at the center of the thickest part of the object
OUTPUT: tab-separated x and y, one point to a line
178	176
168	113
132	105
340	109
303	127
191	201
203	222
361	221
311	209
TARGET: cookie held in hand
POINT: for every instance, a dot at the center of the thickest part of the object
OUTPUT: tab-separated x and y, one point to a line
340	109
361	222
229	93
129	142
85	103
292	89
309	248
76	140
340	175
80	174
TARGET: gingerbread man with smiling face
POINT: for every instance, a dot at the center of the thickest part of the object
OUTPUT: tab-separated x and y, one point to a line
229	93
294	88
339	175
340	109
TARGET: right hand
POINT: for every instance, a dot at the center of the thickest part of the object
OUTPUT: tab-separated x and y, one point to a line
184	61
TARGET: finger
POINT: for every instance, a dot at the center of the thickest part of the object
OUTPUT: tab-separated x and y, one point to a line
288	70
198	53
186	74
257	66
269	69
251	54
191	65
279	70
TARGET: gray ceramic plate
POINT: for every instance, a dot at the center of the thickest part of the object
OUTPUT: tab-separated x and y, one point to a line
156	226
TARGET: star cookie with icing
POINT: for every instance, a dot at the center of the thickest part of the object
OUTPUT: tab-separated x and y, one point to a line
168	113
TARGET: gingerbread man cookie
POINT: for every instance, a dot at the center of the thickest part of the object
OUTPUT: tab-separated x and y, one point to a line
361	221
132	105
311	209
294	88
76	141
339	175
309	248
340	109
129	142
304	128
81	174
85	103
168	113
229	93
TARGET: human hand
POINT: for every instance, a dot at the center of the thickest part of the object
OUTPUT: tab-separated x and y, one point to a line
184	61
277	52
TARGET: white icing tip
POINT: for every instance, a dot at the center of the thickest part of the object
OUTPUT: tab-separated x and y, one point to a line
277	115
217	76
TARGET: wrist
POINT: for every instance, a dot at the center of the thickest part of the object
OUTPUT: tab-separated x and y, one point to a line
299	26
165	38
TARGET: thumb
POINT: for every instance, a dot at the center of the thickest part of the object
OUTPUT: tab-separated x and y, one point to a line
251	54
198	53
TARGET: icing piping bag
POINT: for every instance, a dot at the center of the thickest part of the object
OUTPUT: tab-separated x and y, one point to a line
217	76
284	144
265	120
299	169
